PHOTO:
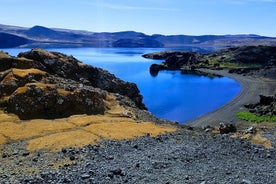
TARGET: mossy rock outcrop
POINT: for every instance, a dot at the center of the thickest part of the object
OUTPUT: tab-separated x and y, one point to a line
42	84
49	102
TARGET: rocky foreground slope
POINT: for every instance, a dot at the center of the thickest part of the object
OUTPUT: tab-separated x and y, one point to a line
109	141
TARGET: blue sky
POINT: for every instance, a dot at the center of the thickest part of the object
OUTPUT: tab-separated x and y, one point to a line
190	17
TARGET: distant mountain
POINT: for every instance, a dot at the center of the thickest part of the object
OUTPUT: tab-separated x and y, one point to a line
9	40
39	36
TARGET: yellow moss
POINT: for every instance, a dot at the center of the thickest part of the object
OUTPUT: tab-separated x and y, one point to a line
114	108
56	142
8	78
77	130
24	72
2	139
63	92
32	128
4	55
40	85
37	84
82	120
21	90
10	129
127	130
110	101
246	136
61	162
46	53
5	117
254	138
258	139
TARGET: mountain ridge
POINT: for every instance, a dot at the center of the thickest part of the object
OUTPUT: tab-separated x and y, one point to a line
56	37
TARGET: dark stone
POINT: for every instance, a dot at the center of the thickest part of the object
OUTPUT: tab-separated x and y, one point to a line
118	172
63	150
266	100
227	128
35	159
5	155
135	146
72	158
25	154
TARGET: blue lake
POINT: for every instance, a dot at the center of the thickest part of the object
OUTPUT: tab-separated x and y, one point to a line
170	95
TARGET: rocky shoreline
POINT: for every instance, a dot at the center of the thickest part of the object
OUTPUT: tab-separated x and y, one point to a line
254	67
160	153
251	88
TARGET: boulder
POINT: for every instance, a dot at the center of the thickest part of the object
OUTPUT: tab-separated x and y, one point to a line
267	100
49	102
266	106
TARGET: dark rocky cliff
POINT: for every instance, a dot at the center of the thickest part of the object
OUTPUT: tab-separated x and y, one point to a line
237	59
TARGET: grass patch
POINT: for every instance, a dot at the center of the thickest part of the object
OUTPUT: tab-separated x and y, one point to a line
248	116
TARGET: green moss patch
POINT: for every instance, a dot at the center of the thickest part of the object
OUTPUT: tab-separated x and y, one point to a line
248	116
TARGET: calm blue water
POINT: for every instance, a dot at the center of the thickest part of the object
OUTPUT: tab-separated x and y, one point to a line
169	95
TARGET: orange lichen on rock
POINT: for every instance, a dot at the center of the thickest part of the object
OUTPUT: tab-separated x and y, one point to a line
55	142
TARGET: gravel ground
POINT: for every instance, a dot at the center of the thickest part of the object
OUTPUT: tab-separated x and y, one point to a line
185	156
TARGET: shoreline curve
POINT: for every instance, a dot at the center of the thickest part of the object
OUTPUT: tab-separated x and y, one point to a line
251	88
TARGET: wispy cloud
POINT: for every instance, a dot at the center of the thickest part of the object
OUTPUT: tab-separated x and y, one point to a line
128	7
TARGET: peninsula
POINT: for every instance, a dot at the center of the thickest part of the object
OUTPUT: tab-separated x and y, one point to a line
254	67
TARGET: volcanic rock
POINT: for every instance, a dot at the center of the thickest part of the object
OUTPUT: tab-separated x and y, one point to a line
42	84
70	68
266	106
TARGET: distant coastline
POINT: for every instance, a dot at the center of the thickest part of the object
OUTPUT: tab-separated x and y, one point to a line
43	37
